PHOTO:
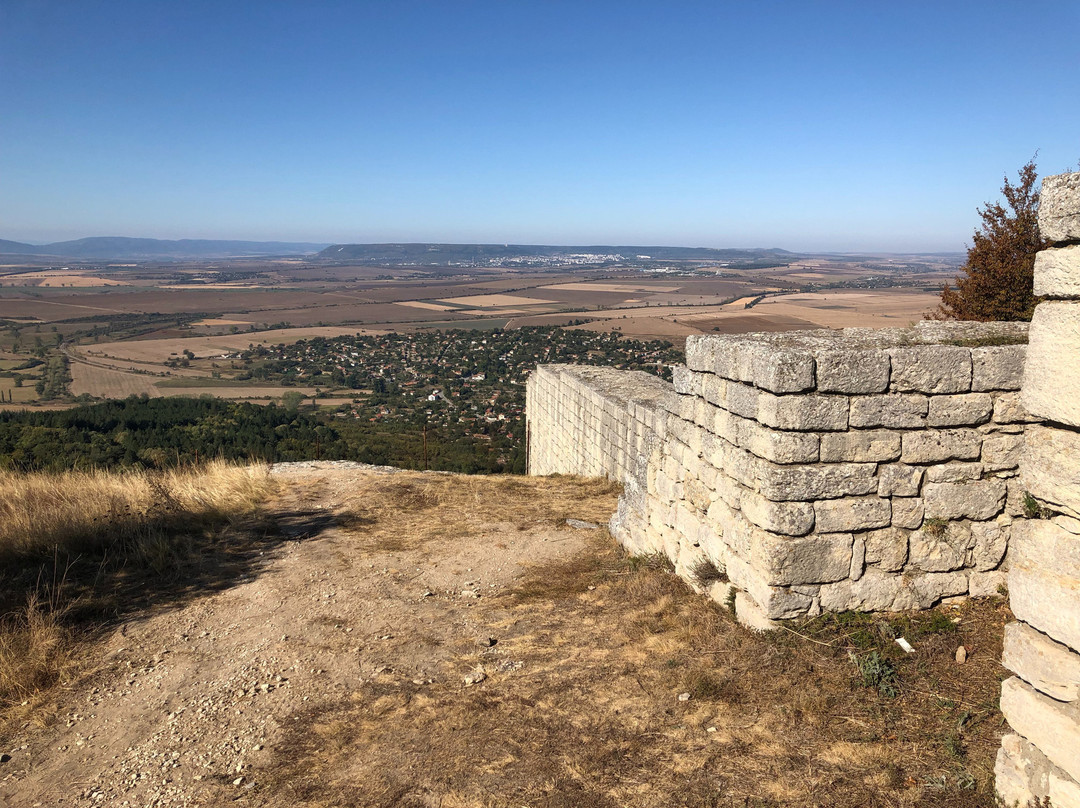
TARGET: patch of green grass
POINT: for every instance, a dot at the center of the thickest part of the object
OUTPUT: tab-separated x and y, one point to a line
1033	509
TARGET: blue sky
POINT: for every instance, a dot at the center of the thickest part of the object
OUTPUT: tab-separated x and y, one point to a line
805	125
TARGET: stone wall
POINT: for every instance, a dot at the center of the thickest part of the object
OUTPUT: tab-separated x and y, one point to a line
807	471
1042	702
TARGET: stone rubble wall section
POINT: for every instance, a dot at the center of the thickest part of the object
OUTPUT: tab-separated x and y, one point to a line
1042	701
807	471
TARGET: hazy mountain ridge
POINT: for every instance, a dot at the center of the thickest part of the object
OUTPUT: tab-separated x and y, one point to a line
119	247
434	253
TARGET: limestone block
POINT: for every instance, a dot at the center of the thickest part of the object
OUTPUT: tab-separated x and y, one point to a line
1050	725
899	480
853	513
813	559
939	445
1067	523
1052	373
890	410
1021	773
782	371
1000	452
803	412
997	367
860	446
1009	410
852	371
1048	666
975	500
965	409
1064	792
931	369
749	614
806	483
774	445
987	584
878	591
1059	208
886	548
1057	272
686	381
907	512
1050	467
931	551
1044	579
991	540
777	602
786	518
1015	497
954	473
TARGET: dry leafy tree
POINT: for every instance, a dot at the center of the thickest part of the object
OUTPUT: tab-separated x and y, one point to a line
997	283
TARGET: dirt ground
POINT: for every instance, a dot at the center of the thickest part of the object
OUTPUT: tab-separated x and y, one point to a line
421	640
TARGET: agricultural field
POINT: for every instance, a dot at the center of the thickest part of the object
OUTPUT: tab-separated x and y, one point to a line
166	329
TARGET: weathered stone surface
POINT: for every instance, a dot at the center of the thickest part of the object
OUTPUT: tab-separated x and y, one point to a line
939	445
1059	208
783	371
997	367
886	548
853	513
1009	410
954	473
805	412
1064	792
1021	773
852	371
1050	725
987	584
787	518
858	558
770	444
907	512
931	369
965	409
1050	467
749	614
1052	373
878	591
976	500
685	381
944	551
899	480
809	560
889	410
860	446
1057	272
1046	665
1000	452
991	540
807	483
1044	579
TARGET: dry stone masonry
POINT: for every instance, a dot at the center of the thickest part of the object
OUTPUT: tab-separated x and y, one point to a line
1042	701
807	471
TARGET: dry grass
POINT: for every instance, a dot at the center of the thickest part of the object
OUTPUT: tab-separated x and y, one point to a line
581	706
409	509
41	514
76	548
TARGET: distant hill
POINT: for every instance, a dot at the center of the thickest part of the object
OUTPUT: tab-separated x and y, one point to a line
442	254
106	248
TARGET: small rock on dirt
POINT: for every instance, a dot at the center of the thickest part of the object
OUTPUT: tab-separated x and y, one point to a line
582	525
961	655
684	697
475	677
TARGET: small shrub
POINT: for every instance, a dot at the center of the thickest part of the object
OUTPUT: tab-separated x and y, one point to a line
877	672
1033	509
705	573
729	601
936	527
